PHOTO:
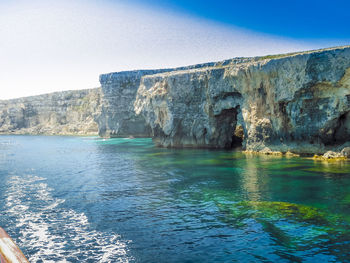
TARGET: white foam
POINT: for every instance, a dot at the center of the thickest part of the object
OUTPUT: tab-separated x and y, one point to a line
53	233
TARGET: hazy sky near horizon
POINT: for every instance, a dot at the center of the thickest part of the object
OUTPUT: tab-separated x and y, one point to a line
48	45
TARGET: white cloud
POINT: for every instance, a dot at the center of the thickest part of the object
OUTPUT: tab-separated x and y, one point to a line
48	46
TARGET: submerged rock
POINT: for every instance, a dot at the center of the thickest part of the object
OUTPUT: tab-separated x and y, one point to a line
273	210
292	225
290	154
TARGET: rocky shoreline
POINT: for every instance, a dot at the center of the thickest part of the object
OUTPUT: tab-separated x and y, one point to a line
292	103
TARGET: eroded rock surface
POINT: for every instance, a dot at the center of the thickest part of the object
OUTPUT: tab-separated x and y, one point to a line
298	103
117	117
59	113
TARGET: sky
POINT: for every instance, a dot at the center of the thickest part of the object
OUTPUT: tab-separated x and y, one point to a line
48	45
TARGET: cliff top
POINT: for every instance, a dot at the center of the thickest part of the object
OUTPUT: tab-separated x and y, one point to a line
246	61
104	78
302	52
44	96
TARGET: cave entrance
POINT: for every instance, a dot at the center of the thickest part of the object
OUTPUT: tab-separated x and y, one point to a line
338	131
342	130
237	137
228	133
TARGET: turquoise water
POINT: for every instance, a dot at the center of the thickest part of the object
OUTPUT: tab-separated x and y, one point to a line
72	199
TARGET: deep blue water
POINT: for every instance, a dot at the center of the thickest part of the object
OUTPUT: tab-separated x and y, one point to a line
74	199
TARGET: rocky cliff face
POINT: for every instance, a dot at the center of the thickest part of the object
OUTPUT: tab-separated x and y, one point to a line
298	102
59	113
117	116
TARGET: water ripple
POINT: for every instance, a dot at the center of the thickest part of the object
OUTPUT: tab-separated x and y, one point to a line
47	230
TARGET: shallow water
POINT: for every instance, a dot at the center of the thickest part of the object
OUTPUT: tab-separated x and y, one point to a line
72	199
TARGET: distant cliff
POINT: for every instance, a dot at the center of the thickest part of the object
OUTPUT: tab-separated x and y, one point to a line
292	102
59	113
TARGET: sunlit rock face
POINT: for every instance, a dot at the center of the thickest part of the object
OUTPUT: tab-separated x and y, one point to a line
117	117
184	109
298	102
59	113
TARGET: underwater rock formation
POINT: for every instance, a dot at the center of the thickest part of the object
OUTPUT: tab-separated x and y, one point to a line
294	102
59	113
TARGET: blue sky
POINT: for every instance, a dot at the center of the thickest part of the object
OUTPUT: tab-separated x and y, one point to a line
50	45
305	19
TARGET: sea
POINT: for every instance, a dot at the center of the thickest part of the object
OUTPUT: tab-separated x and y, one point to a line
88	199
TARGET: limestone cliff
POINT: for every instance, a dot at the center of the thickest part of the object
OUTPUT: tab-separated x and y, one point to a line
297	102
59	113
117	116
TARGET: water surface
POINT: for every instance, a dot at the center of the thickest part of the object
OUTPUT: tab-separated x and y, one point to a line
73	199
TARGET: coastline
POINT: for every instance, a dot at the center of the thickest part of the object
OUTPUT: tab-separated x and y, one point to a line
287	104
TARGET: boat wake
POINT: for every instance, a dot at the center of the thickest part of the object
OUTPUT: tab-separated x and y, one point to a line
49	232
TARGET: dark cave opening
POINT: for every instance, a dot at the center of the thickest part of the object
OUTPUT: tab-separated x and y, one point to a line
229	133
338	132
237	137
342	131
